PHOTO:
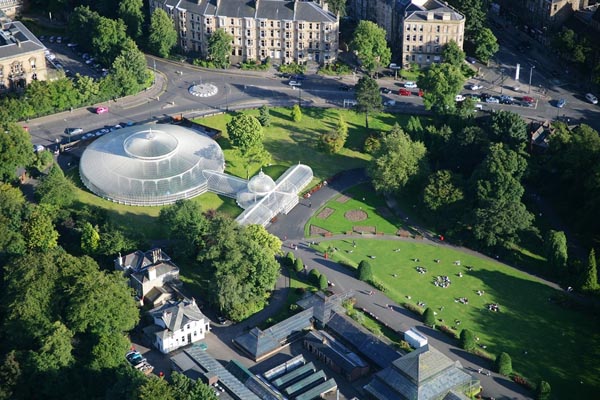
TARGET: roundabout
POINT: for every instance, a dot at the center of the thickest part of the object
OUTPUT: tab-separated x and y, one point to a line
203	90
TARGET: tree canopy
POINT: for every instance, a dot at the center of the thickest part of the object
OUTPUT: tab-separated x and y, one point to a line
442	191
162	34
441	83
15	151
55	189
219	48
510	128
132	13
245	132
556	250
368	99
370	46
452	54
397	161
486	45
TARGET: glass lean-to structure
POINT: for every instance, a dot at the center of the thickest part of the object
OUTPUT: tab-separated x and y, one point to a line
150	165
153	165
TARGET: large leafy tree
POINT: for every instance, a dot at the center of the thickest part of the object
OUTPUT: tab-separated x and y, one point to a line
108	36
441	83
219	48
556	250
590	275
162	35
81	23
398	161
38	230
129	70
368	99
186	389
334	140
266	240
442	191
338	7
15	150
370	46
453	54
510	128
12	211
155	388
186	223
55	189
475	15
245	133
132	13
499	212
486	45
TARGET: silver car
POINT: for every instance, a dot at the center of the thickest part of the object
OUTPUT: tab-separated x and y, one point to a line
591	98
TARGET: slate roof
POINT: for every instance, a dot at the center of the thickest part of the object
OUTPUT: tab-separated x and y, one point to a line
175	315
309	11
422	375
17	40
417	11
275	10
339	354
236	9
371	347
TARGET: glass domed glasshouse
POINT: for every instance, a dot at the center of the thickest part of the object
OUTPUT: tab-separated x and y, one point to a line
149	165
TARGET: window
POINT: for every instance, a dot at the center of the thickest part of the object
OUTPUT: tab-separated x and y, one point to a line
420	49
262	34
420	28
262	24
408	38
187	326
272	43
420	38
272	24
195	333
407	27
414	27
310	25
407	48
248	32
287	25
232	21
288	45
287	35
437	29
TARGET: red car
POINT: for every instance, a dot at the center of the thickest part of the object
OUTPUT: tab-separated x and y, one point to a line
404	92
528	99
101	110
420	94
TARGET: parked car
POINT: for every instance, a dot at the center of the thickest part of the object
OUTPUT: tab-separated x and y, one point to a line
72	45
459	97
591	98
51	39
295	83
299	77
404	92
561	103
471	60
484	96
492	99
410	85
59	39
474	86
101	110
73	131
385	90
528	99
473	96
505	99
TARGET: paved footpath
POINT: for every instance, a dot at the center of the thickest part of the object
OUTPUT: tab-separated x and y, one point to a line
290	229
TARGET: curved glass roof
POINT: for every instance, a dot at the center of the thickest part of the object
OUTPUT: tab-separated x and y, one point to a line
150	164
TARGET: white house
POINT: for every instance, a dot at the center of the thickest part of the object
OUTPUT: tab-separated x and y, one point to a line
177	324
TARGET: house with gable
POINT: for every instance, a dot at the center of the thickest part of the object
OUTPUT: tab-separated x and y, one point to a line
151	274
176	324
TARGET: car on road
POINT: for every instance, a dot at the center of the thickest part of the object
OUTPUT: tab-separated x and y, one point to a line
73	131
101	110
385	90
410	85
474	86
528	99
591	98
389	103
471	60
299	77
492	99
295	83
404	92
505	99
561	103
459	98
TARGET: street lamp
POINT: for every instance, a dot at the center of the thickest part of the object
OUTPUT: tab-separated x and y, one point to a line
530	75
502	80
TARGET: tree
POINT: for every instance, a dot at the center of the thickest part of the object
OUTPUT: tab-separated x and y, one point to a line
162	36
296	113
155	388
542	391
414	127
290	259
429	317
90	239
12	211
486	45
87	89
370	46
298	264
55	189
108	36
475	15
504	364
81	23
556	250
398	161
264	116
245	133
499	212
15	150
314	275
441	191
266	240
441	83
365	271
186	389
467	340
338	7
590	275
131	12
39	231
323	282
130	65
56	350
334	140
510	128
219	48
187	224
368	99
10	372
453	54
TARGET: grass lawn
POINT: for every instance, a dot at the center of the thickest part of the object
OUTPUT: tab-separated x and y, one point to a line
552	334
290	143
136	221
362	198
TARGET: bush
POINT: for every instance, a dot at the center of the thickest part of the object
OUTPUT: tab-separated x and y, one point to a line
467	340
365	271
296	113
255	65
504	364
521	381
289	259
314	275
372	144
378	285
298	265
413	308
264	117
337	68
204	63
292	68
323	282
447	330
429	317
542	391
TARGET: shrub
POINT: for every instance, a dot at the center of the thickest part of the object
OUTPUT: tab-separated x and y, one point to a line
264	117
314	275
372	144
337	68
294	307
298	265
429	317
467	340
255	65
296	113
323	282
292	68
378	285
289	259
521	381
413	308
447	330
365	271
504	364
542	391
